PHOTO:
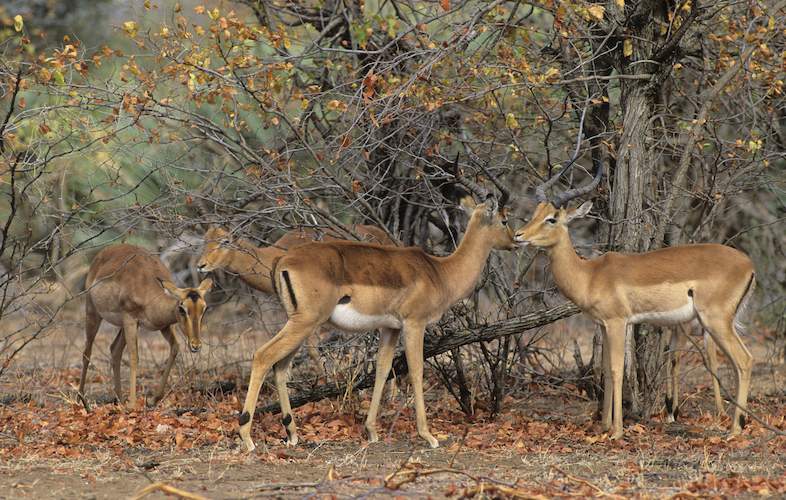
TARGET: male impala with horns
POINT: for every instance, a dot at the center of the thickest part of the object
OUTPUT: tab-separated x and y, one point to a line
710	283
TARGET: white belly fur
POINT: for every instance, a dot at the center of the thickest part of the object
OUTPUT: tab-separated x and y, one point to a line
347	318
673	317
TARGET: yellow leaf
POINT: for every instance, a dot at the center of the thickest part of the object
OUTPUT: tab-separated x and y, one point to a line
596	11
44	75
213	14
19	23
59	77
620	4
551	74
511	122
627	47
131	28
336	105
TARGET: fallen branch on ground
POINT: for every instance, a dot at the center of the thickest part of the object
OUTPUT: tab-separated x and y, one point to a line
169	490
434	346
483	486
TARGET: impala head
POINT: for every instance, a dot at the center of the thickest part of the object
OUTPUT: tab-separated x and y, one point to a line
489	218
191	308
549	223
216	252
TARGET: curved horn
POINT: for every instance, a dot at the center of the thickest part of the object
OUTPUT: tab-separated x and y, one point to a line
568	195
504	193
471	185
540	191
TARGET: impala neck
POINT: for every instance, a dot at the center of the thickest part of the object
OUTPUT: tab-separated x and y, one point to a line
463	267
571	272
253	264
162	311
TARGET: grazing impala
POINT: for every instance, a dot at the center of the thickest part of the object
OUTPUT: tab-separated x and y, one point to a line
360	287
127	287
708	282
254	264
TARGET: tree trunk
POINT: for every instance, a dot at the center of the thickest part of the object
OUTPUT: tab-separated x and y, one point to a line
633	177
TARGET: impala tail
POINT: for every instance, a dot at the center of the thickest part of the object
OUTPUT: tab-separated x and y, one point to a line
743	308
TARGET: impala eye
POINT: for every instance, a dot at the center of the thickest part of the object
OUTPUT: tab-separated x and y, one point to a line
182	311
551	221
504	222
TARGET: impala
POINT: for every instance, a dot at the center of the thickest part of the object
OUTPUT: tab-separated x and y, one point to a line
254	266
708	282
361	286
128	287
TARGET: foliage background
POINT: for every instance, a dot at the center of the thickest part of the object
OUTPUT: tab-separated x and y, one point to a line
147	121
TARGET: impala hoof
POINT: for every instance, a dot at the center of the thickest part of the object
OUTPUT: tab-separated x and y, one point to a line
373	437
432	441
248	443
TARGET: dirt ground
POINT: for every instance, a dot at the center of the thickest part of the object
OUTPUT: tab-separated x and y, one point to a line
530	450
545	443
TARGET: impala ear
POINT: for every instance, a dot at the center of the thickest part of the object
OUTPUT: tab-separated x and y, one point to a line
492	205
468	203
205	286
578	213
170	289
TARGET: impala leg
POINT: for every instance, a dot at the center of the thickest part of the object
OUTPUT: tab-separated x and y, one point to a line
413	346
669	340
607	386
130	332
169	335
92	322
712	360
679	337
388	339
118	345
287	340
281	371
722	330
615	340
